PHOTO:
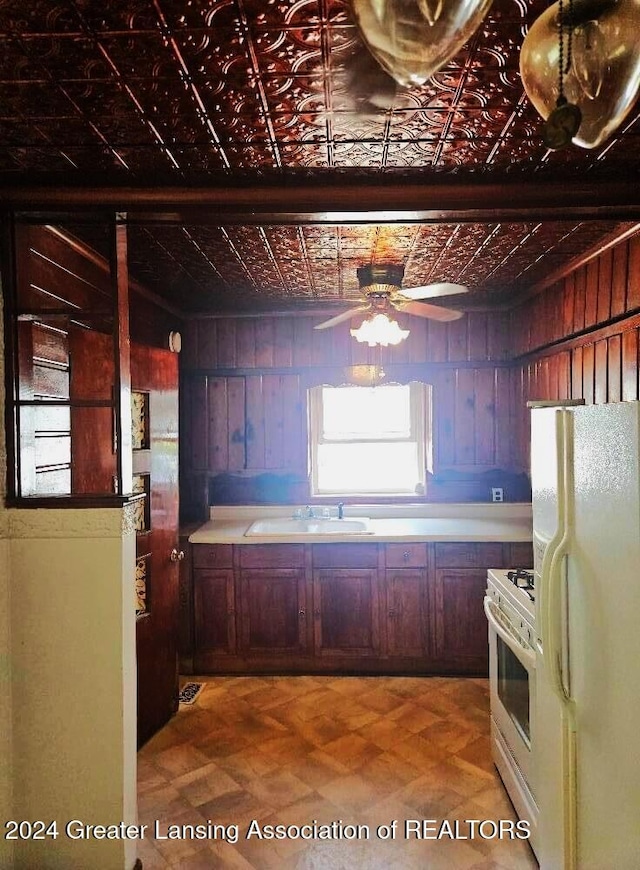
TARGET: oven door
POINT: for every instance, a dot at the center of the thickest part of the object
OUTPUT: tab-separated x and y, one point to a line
512	671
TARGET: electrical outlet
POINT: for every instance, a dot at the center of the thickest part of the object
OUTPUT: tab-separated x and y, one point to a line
497	493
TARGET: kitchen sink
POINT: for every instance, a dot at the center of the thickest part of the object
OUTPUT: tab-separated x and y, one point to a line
310	526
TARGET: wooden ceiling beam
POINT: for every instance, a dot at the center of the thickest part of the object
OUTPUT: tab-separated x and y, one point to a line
345	203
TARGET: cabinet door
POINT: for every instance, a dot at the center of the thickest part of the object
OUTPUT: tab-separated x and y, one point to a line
214	611
346	619
405	612
273	610
461	626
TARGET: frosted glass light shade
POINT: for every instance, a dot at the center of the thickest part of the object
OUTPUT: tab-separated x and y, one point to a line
604	77
379	330
412	39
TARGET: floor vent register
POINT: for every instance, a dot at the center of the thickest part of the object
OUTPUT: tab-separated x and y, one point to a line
189	692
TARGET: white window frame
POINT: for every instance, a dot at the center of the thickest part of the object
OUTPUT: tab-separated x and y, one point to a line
420	434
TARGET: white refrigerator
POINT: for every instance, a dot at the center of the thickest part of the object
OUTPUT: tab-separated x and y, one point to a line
585	465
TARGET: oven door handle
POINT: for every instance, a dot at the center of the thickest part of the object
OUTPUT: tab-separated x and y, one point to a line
525	656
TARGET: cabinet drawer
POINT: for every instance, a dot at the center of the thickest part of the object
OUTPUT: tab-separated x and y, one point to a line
405	555
272	556
469	555
212	556
345	555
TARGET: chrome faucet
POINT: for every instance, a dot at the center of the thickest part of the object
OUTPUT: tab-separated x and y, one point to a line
308	512
340	510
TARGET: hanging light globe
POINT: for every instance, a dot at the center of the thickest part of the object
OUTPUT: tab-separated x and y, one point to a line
412	39
601	59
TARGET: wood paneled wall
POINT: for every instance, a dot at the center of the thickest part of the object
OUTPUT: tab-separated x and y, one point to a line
244	402
578	339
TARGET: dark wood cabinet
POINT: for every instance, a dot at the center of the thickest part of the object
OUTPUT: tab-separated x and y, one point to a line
210	601
405	613
461	640
186	621
346	612
273	611
341	608
215	612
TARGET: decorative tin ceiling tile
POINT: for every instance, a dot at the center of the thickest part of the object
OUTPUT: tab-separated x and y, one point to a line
285	88
141	56
37	16
199	158
118	15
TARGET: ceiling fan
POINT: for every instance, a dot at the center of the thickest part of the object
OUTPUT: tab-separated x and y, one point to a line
381	286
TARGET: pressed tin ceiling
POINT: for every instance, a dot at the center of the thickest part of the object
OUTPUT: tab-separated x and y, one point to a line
281	267
238	91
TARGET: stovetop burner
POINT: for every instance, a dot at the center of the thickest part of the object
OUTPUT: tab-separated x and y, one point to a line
509	596
523	580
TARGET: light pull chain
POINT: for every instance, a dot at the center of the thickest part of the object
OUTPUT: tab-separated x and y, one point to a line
564	121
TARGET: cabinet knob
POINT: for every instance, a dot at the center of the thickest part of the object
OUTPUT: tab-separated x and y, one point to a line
406	556
302	613
176	555
392	613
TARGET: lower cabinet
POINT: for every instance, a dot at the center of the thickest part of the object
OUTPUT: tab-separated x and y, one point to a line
405	610
340	608
273	611
215	612
345	612
460	623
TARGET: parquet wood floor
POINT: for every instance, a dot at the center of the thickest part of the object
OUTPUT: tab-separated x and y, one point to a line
360	750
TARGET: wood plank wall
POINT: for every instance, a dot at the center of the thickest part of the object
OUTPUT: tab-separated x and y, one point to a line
578	339
244	401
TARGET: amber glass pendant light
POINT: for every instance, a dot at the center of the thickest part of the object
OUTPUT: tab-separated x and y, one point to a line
582	58
412	39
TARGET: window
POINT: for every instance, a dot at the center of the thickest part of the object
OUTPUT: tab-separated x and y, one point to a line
369	440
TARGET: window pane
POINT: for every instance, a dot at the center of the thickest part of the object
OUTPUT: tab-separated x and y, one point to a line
351	413
364	468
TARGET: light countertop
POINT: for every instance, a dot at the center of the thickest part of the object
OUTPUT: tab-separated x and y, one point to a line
508	522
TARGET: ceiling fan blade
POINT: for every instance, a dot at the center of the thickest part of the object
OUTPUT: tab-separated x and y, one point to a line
433	312
340	318
430	291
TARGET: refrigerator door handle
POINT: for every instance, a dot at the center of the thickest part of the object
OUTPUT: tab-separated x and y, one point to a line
546	579
559	681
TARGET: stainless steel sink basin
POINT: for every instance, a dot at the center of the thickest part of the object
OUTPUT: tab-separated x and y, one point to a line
320	526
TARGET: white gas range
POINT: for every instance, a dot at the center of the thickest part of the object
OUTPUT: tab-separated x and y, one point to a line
510	609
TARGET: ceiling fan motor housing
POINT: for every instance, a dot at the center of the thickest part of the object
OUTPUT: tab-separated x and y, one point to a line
380	279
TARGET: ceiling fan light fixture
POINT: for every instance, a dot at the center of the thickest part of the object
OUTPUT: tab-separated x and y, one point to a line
380	277
379	329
